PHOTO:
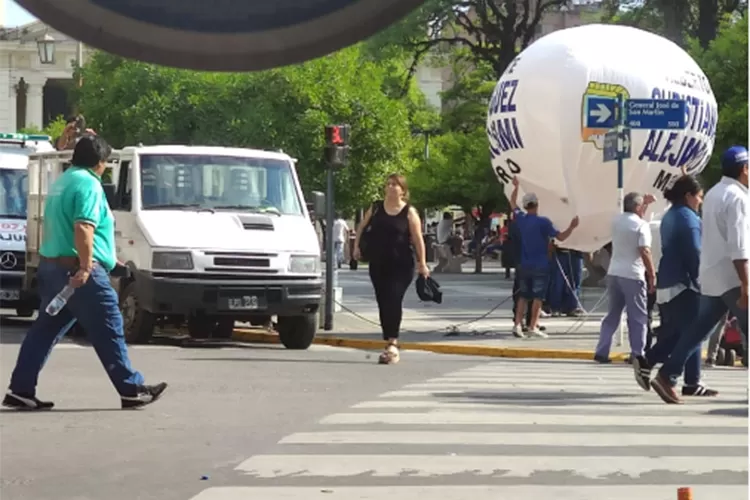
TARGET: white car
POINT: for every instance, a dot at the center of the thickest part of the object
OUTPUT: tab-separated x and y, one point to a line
14	160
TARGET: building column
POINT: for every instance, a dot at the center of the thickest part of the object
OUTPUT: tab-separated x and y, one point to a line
35	104
12	105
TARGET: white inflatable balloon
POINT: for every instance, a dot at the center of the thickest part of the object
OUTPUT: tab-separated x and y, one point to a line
537	128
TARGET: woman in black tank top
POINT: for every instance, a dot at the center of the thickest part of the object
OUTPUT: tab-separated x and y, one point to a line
395	232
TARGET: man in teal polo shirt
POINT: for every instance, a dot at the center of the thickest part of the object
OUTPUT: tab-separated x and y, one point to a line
78	249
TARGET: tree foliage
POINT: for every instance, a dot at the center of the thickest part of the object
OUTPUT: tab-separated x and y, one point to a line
492	32
459	170
725	64
678	20
130	102
53	129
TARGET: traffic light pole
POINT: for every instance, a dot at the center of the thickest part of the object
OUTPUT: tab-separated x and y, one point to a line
336	156
330	267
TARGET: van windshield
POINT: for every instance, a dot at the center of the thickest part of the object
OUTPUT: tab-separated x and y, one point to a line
234	183
14	186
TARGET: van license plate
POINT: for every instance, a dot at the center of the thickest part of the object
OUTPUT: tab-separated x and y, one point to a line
243	303
10	294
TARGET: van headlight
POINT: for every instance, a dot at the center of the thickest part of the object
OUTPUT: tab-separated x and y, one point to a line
172	260
304	264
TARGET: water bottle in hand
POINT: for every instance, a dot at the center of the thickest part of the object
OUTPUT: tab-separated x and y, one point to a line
56	304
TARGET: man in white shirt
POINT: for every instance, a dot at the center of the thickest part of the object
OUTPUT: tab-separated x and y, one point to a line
630	277
445	228
723	271
340	237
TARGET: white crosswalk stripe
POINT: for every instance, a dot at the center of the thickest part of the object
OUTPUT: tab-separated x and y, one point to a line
514	430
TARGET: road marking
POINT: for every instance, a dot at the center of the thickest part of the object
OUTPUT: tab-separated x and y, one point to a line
583	424
529	492
546	416
498	466
491	405
507	439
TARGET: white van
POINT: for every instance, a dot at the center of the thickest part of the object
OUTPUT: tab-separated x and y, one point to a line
14	160
211	236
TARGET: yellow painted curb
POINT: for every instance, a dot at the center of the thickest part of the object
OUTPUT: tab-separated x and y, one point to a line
465	350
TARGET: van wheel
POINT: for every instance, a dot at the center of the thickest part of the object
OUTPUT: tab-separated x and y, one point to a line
731	357
138	324
224	329
297	332
201	327
25	312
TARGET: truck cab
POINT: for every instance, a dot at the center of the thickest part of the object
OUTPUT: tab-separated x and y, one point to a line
212	236
14	160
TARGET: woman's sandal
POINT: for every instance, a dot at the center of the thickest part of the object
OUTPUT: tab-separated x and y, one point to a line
390	356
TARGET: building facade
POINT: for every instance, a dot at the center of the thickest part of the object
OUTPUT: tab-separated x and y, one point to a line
32	94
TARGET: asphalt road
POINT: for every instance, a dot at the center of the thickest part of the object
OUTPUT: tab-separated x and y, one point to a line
259	422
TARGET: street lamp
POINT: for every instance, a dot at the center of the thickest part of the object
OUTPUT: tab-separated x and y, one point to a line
46	48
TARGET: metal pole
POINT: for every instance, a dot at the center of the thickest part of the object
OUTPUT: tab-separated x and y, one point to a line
620	188
79	63
330	268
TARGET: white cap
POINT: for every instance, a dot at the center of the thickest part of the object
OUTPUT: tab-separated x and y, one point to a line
529	199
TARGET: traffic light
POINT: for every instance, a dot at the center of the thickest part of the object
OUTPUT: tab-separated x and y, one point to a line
337	135
337	145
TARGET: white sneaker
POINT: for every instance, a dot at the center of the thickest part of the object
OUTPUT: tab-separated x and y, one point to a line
518	332
536	332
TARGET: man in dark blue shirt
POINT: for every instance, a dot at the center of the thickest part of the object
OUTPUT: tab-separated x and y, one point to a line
534	266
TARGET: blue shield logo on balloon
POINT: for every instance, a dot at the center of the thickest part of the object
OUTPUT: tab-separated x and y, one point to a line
595	135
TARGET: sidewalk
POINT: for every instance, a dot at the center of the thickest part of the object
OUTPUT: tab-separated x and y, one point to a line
454	327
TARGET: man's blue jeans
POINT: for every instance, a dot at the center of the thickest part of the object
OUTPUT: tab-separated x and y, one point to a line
710	311
676	317
95	306
338	252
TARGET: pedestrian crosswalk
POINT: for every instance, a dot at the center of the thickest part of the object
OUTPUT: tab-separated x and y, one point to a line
514	430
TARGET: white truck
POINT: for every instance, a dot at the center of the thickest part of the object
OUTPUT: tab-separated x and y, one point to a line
14	160
211	236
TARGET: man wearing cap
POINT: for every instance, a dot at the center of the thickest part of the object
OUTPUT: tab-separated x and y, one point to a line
630	277
725	250
534	265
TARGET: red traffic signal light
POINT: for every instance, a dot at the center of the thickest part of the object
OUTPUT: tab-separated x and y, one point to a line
337	135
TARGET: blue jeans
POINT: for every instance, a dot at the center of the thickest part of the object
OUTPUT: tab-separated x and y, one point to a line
533	283
338	252
676	318
556	288
95	305
710	311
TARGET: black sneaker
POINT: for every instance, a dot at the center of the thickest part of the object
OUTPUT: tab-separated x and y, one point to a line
147	394
699	390
642	371
604	360
25	402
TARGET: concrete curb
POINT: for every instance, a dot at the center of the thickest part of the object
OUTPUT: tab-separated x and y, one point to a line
242	335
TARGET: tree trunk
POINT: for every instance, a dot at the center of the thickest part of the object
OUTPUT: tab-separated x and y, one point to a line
674	20
707	21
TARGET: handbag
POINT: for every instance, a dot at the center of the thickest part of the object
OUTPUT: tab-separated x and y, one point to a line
365	245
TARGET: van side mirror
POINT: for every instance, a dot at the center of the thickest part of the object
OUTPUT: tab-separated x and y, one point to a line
110	191
319	204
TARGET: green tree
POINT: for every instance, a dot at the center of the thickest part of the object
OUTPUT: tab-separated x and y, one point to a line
491	32
130	102
678	20
725	65
53	129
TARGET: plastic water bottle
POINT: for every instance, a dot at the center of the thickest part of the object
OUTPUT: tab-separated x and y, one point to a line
56	305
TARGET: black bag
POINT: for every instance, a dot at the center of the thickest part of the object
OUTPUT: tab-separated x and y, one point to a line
428	290
365	245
